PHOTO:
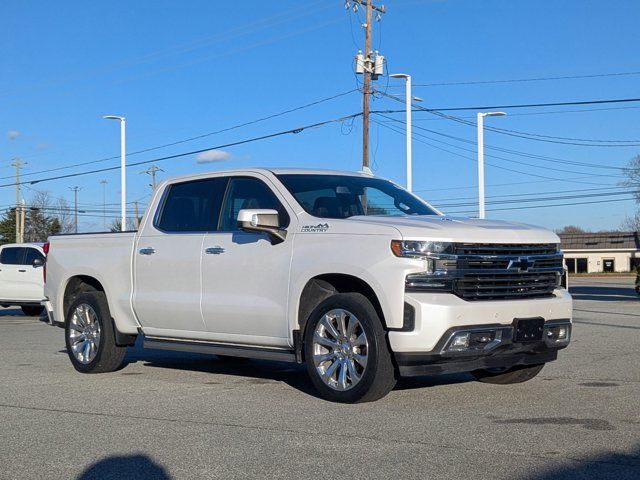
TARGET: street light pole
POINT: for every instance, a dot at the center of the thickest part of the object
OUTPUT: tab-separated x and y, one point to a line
409	99
480	125
123	172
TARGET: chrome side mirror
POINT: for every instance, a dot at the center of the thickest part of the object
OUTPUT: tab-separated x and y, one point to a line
37	262
265	221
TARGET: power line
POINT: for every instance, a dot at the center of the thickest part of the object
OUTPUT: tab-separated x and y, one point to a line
557	205
494	165
524	135
531	79
545	199
523	194
509	184
193	152
506	150
197	137
418	108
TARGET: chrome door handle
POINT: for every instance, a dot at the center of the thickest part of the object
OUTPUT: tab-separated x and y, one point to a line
214	250
147	251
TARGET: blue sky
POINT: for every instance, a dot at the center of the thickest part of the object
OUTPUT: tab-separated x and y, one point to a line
181	69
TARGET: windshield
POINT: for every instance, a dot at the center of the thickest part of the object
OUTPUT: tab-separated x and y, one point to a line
344	196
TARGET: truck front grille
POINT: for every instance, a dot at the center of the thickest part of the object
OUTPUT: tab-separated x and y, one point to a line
501	286
506	271
478	272
504	249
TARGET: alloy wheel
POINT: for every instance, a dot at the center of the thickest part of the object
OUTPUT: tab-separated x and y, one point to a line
340	349
84	333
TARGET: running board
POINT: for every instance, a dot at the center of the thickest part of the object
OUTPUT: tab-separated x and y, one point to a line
212	348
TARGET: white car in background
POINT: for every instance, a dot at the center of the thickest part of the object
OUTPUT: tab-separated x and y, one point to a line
21	277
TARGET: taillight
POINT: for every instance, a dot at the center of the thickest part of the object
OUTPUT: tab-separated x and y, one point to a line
45	249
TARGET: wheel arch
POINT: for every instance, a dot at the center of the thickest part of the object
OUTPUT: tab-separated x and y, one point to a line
322	286
79	284
75	286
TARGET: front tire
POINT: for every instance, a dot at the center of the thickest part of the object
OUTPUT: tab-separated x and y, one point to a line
516	374
32	310
346	350
90	335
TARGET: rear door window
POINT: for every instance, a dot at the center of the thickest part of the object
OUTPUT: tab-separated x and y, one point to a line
192	206
12	256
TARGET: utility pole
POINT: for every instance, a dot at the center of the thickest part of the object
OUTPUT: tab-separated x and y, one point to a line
19	213
23	210
75	208
369	64
104	204
135	212
152	170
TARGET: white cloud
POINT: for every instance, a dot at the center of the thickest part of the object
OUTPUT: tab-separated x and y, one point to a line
12	134
213	156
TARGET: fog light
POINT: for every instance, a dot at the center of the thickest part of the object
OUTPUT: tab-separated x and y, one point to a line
558	333
480	339
460	342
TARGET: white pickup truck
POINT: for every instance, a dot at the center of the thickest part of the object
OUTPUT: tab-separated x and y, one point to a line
21	278
349	273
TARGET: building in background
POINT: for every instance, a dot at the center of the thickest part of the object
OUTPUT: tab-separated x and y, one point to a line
606	252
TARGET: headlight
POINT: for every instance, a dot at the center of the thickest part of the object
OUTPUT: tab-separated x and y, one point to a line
418	249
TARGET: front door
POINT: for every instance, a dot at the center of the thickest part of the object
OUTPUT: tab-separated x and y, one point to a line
245	279
608	265
167	259
33	279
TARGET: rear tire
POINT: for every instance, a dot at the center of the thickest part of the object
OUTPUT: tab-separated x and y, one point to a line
32	310
517	374
89	322
346	351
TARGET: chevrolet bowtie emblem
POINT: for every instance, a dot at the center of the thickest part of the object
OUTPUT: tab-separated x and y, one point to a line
522	264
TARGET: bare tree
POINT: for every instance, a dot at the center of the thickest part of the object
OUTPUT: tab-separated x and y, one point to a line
631	224
116	223
570	229
632	172
40	223
64	215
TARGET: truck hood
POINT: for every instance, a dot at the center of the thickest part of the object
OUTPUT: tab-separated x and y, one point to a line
460	229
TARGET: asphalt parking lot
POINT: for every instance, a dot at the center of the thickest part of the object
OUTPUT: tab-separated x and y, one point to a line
174	416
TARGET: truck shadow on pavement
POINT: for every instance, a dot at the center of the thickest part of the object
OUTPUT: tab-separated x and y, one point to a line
259	372
603	293
138	466
600	466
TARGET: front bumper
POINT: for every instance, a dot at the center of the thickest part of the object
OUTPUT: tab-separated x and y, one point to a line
436	313
501	348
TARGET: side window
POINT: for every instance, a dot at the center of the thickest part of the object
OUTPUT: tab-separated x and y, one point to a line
192	206
12	256
249	193
31	254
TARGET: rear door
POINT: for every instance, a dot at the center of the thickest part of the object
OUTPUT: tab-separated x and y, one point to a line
167	258
10	264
